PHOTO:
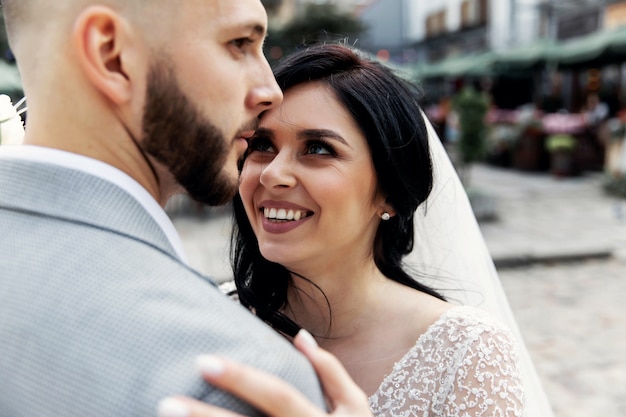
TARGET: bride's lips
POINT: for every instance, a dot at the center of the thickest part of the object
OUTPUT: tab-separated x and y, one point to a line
282	225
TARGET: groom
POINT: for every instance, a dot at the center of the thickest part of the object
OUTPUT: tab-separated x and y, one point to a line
129	103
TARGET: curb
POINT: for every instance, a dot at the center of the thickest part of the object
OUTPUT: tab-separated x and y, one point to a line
527	260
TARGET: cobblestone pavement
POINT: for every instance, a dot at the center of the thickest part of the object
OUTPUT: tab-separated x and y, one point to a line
570	313
571	316
539	216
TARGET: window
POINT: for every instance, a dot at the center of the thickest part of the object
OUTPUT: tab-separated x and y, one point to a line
436	24
474	13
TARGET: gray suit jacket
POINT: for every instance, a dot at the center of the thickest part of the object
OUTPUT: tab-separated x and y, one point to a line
98	317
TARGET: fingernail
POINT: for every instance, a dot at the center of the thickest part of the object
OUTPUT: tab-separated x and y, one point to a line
307	339
172	407
209	365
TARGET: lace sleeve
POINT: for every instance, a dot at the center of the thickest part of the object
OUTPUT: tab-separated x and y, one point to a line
487	381
465	365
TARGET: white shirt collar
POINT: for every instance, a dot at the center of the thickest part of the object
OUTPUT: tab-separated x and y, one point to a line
105	172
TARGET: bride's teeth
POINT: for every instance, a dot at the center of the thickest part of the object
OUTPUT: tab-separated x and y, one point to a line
283	214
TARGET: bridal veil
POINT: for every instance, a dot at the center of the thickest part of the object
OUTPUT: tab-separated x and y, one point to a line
450	250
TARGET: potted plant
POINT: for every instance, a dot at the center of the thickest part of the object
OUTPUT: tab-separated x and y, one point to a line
561	147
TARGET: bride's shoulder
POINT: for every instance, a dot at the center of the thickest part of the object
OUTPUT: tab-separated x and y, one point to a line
472	325
469	316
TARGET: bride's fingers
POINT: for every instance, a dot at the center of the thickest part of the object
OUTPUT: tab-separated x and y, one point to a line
264	391
342	392
272	395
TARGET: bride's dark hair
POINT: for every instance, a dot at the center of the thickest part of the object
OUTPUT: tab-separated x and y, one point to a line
386	109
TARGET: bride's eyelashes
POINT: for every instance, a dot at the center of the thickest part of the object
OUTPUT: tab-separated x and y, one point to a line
262	143
320	147
259	142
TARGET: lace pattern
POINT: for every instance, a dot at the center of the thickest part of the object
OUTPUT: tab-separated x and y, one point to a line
464	365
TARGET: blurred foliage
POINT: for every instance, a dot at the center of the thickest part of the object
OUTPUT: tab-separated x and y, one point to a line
471	106
317	23
560	142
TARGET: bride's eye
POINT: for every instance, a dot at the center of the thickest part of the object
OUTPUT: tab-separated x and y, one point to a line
320	147
259	143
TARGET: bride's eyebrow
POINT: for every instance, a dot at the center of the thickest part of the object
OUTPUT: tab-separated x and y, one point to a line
262	131
312	134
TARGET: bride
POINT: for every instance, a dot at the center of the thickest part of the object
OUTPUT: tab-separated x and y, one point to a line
336	183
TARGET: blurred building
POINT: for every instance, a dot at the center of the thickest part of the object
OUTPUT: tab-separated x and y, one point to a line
428	31
388	24
417	32
281	11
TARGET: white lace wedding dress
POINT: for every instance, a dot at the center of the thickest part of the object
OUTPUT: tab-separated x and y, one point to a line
464	365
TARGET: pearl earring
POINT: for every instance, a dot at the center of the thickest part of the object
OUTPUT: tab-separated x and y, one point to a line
385	216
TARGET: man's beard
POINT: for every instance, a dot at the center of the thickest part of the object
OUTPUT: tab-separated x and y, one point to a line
190	146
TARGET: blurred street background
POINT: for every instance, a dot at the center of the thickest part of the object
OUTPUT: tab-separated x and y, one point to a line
529	98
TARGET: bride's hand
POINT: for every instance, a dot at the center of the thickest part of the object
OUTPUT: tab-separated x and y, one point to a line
270	394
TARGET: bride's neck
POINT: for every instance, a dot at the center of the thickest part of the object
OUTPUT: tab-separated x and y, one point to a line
336	305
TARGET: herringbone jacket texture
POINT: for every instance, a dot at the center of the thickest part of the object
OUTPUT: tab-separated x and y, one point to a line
98	317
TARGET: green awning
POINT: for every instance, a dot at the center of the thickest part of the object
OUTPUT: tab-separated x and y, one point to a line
465	65
529	56
491	63
596	49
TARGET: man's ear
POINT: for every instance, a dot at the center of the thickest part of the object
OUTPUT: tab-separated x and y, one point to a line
100	35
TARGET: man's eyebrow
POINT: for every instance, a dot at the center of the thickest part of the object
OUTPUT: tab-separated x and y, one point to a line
259	29
252	26
256	28
322	133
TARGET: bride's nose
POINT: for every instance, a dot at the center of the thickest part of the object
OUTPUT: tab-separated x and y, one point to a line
280	172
